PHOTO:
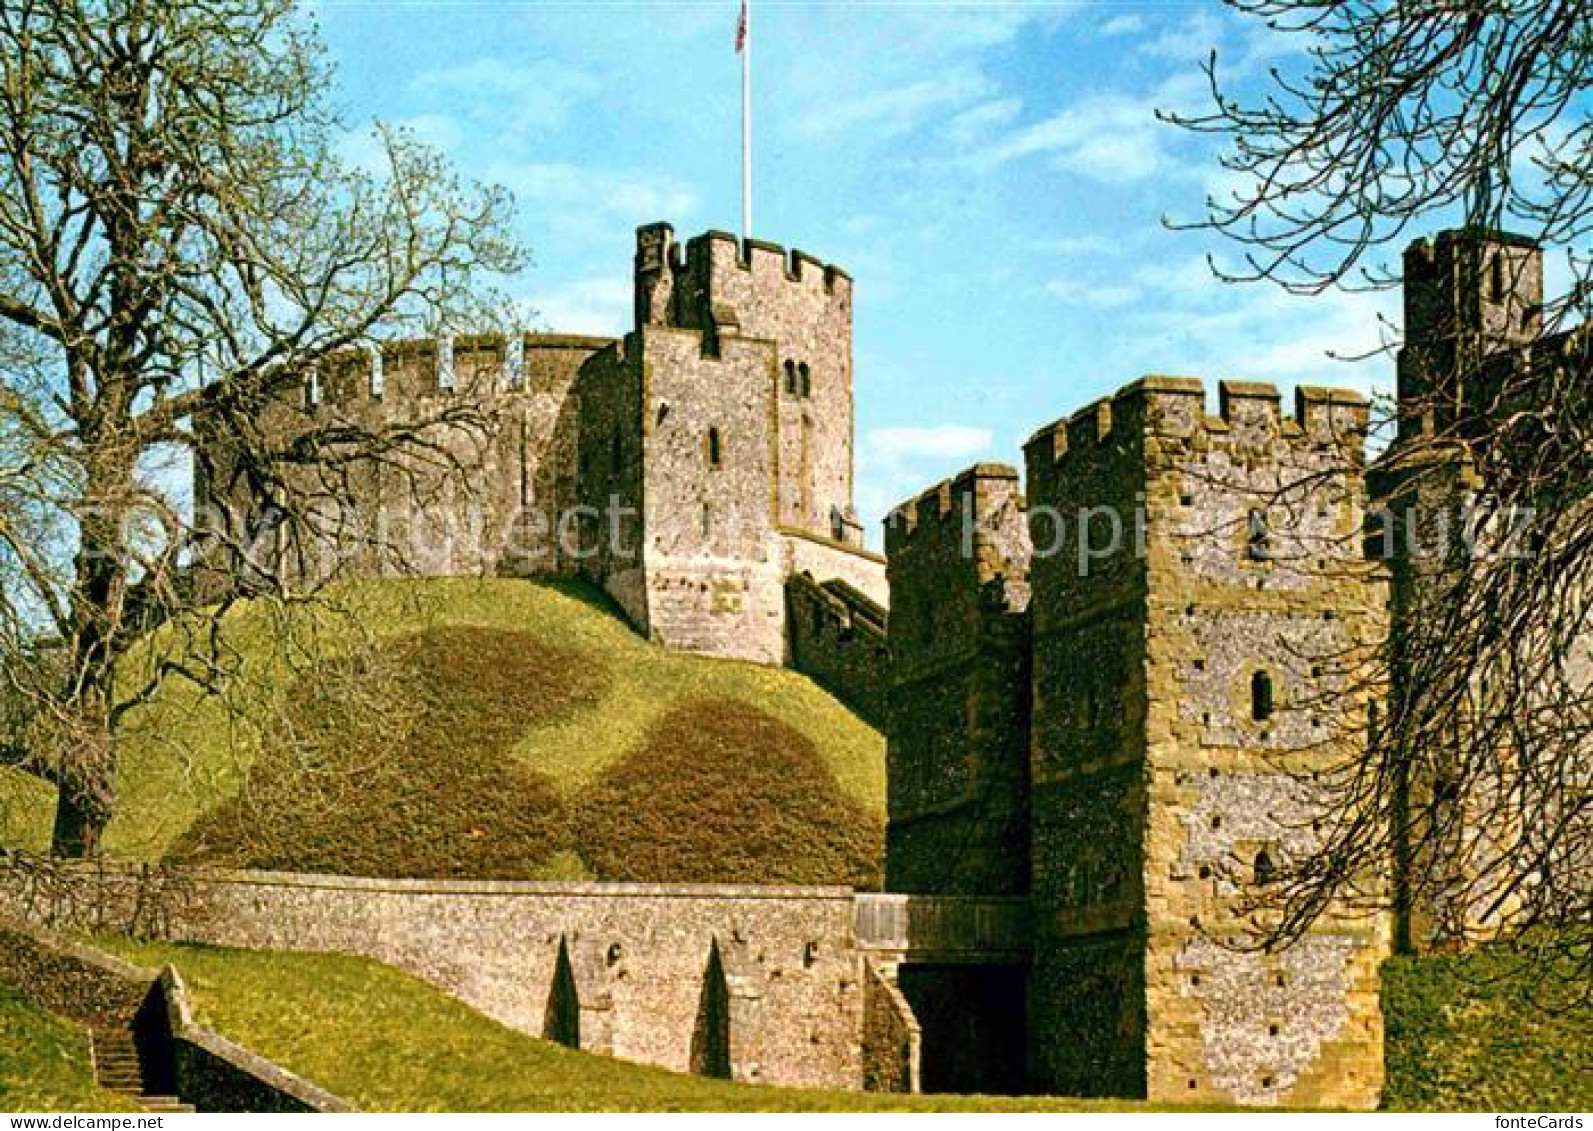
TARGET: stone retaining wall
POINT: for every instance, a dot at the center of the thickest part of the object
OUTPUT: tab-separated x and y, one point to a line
641	957
178	1055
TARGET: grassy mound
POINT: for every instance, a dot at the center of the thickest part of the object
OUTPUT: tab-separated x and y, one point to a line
1471	1033
391	1043
353	782
489	729
684	808
44	1063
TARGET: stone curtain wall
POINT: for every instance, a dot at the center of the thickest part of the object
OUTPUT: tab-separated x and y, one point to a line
97	990
892	1039
827	559
640	962
689	469
500	516
838	640
613	431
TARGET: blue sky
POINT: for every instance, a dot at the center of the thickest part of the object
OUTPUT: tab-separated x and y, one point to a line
991	175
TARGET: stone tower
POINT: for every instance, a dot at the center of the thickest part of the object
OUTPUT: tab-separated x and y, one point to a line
1194	615
739	412
1473	313
802	309
958	565
690	468
1469	294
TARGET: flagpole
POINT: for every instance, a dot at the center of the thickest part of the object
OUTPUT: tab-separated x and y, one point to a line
746	119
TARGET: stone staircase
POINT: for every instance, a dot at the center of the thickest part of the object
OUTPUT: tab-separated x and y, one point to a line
118	1068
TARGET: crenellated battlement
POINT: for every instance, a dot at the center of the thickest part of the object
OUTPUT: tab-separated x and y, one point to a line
1469	281
940	513
838	638
762	258
484	366
716	279
1116	429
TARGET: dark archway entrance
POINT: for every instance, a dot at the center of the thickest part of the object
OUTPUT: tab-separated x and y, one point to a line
974	1028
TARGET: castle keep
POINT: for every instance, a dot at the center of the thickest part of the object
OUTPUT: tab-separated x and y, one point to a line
1116	692
689	468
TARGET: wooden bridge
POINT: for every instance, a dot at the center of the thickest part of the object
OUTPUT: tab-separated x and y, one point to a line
940	930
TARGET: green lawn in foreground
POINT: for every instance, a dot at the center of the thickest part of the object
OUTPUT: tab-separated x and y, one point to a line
489	728
44	1063
1466	1033
1459	1038
389	1042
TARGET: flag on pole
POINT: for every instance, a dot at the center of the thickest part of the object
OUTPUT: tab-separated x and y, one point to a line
741	28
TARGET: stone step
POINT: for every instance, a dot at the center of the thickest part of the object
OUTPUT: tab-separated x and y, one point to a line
119	1069
165	1104
116	1062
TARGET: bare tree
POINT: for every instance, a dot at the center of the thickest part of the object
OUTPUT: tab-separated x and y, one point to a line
181	248
1393	118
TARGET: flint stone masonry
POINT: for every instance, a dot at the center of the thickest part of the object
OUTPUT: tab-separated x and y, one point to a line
1110	694
689	468
958	754
1475	349
1187	682
838	637
639	955
892	1038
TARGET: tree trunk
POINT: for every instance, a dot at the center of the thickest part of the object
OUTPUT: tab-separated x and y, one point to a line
85	795
79	825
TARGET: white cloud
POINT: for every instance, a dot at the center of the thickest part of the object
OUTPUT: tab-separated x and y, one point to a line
1086	245
582	203
1196	323
890	69
1100	296
894	464
975	125
362	149
1126	24
536	95
895	110
598	189
949	441
1110	137
588	306
1190	39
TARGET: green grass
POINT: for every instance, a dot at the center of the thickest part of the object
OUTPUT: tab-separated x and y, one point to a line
1461	1035
44	1063
385	733
1468	1033
389	1042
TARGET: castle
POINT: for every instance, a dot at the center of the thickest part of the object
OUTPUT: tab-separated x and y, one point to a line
689	469
1115	693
